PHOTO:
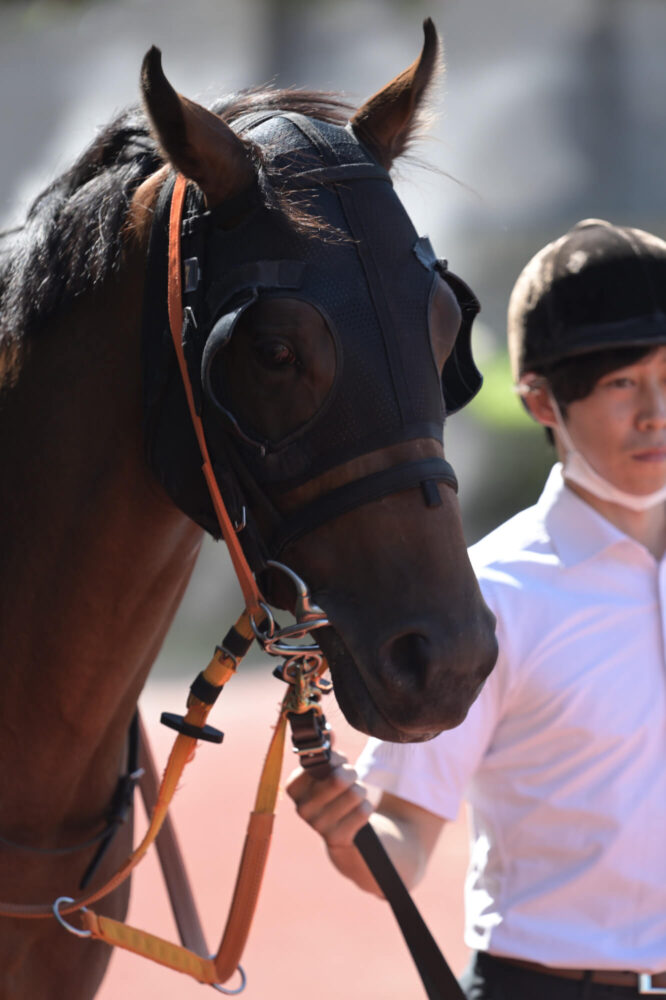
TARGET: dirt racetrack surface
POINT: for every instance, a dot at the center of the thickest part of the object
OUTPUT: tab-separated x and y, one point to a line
315	934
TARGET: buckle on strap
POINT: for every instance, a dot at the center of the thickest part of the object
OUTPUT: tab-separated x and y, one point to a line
311	737
645	987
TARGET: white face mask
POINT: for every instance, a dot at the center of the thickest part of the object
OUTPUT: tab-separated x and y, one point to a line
577	469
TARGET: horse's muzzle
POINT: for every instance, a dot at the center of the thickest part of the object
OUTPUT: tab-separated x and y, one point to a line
415	685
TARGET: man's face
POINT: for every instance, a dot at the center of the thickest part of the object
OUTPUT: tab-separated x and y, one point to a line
620	427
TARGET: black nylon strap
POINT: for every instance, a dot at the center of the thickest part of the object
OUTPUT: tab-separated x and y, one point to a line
236	643
121	803
384	314
436	975
256	274
361	491
434	970
205	691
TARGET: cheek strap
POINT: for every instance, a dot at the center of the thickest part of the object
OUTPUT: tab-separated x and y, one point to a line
408	475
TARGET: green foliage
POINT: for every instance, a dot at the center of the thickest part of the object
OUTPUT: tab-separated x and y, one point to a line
497	405
511	453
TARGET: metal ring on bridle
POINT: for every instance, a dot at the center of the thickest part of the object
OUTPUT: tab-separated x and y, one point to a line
231	993
61	920
277	646
304	608
270	622
279	641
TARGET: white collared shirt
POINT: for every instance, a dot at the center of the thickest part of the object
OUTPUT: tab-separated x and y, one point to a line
562	758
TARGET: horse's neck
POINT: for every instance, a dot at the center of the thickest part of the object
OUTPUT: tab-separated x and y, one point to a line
94	558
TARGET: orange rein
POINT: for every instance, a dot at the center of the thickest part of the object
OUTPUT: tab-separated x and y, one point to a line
248	584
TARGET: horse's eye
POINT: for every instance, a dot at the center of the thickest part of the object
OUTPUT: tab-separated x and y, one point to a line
275	354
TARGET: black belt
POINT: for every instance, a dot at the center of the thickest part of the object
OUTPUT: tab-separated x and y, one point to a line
642	983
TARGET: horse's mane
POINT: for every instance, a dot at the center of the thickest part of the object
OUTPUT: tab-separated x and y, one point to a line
73	234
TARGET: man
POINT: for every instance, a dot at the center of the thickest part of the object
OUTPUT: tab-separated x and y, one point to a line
562	758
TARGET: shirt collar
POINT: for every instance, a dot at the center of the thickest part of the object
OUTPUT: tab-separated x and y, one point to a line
576	530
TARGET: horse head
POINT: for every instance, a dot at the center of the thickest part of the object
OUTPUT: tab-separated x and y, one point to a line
325	345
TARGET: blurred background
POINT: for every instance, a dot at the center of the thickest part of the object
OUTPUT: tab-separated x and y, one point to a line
547	114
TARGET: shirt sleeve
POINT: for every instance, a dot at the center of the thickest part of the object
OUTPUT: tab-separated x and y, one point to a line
434	775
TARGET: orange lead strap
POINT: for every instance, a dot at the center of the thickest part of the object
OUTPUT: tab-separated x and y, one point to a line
302	696
220	967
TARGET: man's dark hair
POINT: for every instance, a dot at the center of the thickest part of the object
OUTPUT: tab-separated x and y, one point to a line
574	378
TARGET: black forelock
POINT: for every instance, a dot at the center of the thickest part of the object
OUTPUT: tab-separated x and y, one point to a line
72	236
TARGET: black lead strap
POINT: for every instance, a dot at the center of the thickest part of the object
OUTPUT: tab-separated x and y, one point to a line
434	970
310	738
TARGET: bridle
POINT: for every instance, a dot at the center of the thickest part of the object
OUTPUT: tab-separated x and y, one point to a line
302	668
243	463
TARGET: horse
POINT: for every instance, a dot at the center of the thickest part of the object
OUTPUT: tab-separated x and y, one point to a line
325	341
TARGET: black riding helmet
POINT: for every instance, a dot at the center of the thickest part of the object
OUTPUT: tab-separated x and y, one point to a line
598	287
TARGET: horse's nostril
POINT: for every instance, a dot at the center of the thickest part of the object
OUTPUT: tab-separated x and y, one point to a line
406	660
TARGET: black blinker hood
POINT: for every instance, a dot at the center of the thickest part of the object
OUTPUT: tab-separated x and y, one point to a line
369	276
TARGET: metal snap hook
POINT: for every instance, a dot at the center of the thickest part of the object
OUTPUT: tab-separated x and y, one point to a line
61	920
305	609
231	993
270	625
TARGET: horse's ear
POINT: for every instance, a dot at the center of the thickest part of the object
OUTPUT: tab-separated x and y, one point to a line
388	120
198	143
